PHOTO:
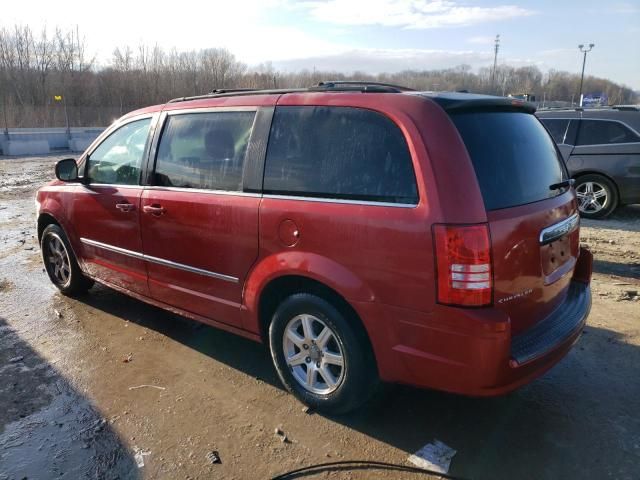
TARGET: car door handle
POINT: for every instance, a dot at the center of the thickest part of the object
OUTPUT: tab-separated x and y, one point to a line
154	209
125	207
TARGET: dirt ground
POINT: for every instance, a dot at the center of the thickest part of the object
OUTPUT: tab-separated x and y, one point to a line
71	407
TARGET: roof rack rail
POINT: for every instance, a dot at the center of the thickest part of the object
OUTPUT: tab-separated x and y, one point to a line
335	86
217	91
228	92
364	86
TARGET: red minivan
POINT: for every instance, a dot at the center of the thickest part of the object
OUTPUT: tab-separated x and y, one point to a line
367	232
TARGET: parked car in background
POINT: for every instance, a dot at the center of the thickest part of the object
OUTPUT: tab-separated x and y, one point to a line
601	148
365	232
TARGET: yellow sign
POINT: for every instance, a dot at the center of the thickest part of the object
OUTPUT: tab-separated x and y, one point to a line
57	98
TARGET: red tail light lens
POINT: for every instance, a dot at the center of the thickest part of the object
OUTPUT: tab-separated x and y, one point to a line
463	258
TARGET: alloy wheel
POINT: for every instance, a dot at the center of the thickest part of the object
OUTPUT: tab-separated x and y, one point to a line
57	260
314	354
592	197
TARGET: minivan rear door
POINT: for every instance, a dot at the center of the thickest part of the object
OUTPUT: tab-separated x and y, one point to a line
533	219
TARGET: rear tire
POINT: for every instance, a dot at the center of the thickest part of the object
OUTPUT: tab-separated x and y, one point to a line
61	264
320	355
597	196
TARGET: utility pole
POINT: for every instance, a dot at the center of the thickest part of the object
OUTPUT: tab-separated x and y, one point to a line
6	123
584	61
495	62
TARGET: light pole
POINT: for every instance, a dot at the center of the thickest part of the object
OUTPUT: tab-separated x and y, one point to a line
584	61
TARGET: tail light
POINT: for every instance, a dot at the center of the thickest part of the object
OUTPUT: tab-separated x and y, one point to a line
463	259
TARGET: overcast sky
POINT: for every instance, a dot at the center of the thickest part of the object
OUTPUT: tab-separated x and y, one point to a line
367	35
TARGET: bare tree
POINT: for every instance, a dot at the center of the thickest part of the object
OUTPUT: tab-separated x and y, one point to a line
35	68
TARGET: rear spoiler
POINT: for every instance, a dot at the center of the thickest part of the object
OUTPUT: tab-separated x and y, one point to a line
459	102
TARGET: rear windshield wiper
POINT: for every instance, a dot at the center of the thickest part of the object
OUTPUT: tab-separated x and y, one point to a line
566	183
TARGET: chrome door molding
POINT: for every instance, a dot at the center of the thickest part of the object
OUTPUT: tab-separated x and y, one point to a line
159	261
339	200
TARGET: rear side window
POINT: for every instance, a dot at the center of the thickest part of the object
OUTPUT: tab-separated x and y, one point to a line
514	157
204	150
338	152
602	132
557	128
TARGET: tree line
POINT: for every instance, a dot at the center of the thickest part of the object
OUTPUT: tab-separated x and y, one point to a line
36	68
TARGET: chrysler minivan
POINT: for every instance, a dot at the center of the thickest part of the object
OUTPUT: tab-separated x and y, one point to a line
365	232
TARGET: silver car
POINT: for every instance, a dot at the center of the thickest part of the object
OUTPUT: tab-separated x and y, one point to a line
601	148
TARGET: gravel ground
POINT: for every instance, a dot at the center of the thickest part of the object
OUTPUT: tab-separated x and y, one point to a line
68	409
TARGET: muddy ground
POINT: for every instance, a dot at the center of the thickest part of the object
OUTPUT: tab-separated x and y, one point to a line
69	409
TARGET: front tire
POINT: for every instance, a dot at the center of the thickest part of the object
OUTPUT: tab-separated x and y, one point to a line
597	196
61	264
321	356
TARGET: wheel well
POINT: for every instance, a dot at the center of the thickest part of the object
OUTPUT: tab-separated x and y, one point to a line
282	287
589	172
44	221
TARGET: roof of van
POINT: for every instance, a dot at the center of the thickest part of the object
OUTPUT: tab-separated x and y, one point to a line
449	101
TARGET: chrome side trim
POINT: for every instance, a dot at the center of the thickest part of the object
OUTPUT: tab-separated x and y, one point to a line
549	234
111	248
159	261
338	200
187	268
202	190
89	186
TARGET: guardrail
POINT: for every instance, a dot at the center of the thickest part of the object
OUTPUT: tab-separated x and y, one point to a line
41	141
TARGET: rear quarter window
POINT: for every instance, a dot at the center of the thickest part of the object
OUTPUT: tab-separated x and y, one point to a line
604	132
514	157
338	152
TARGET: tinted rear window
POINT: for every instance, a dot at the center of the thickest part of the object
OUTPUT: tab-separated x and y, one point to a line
338	152
514	157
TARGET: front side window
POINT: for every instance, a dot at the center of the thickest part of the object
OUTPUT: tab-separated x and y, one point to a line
118	158
602	132
338	152
204	150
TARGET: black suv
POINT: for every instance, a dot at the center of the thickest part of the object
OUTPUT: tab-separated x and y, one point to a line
601	148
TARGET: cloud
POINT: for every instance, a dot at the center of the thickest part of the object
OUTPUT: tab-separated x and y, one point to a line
481	40
374	61
386	60
410	14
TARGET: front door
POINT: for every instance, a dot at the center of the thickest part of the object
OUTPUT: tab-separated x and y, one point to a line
106	208
199	229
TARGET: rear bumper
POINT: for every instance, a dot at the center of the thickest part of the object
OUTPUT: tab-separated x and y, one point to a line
546	335
472	351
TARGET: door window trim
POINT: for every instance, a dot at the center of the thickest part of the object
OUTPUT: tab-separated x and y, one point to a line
374	203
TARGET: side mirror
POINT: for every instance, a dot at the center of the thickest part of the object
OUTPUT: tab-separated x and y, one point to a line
67	170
